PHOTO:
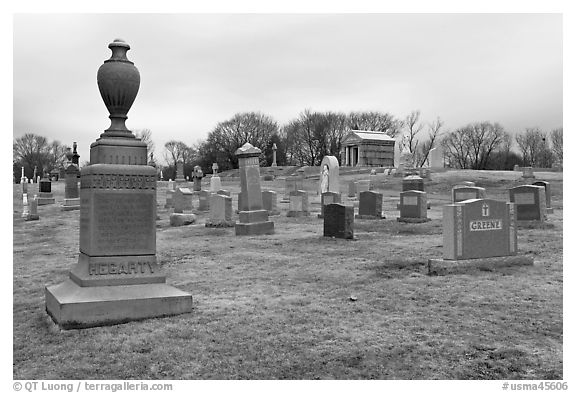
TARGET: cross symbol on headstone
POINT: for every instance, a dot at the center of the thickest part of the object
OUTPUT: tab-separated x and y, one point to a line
485	210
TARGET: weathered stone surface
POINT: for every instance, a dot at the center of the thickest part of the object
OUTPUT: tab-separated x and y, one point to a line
269	201
413	182
252	215
293	183
72	306
30	212
413	207
339	221
220	211
182	200
117	278
370	206
528	172
298	204
530	202
352	189
479	228
70	204
462	193
204	200
169	198
215	183
180	219
329	175
328	198
548	192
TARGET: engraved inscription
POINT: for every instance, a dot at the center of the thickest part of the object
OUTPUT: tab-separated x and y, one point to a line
485	225
120	268
124	223
410	200
525	198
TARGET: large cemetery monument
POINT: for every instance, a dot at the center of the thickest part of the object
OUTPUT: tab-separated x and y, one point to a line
117	277
252	215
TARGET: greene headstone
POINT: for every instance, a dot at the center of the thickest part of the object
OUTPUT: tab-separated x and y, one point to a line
339	221
530	202
479	228
370	206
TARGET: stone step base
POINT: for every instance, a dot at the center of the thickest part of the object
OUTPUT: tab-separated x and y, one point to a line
45	201
255	228
367	217
412	220
74	307
445	266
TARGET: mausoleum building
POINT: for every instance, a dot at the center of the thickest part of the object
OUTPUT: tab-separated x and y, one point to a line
367	148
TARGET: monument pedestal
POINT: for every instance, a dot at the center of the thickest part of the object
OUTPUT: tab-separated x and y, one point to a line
72	306
46	198
71	204
254	223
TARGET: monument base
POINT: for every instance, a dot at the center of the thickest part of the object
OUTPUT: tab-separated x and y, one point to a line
219	224
368	217
45	200
74	307
412	220
70	204
297	214
179	219
254	228
30	217
445	266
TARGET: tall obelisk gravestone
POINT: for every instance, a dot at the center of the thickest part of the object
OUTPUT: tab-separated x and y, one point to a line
117	278
252	215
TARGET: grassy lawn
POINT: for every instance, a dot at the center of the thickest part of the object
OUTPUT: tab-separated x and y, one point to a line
279	306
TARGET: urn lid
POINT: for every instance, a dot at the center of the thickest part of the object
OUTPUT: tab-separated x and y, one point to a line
119	47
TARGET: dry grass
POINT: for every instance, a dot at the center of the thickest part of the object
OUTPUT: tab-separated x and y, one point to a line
279	307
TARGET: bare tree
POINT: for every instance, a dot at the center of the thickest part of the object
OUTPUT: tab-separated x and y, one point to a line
413	128
534	148
434	134
145	136
374	121
557	143
472	146
31	150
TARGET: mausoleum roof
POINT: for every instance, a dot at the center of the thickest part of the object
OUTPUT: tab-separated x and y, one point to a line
356	135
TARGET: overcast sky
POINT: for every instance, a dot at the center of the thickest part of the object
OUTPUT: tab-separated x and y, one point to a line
199	69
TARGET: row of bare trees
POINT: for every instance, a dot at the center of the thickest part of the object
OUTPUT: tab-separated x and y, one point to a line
35	151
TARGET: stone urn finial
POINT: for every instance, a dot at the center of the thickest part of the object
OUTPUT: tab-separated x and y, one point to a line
118	82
